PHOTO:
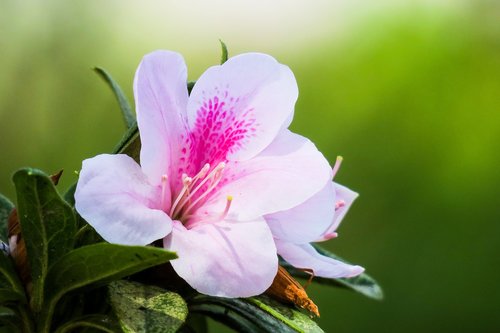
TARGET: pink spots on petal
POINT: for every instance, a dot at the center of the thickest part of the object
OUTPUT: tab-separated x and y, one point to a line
223	125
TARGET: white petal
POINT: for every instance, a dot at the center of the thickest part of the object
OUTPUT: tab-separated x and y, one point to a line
304	256
284	175
113	195
306	222
161	98
227	259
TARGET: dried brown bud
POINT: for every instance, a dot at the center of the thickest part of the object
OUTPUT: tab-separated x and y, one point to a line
17	248
286	289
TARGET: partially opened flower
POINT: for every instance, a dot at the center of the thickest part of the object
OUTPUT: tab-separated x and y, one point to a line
221	179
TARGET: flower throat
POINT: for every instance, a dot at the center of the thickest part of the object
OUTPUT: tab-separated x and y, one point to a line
194	193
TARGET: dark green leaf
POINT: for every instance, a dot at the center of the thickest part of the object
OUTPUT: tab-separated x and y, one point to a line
195	323
47	226
130	144
5	208
128	115
147	309
7	295
11	322
97	322
224	54
190	86
255	314
69	196
95	265
6	312
101	263
11	288
363	283
87	235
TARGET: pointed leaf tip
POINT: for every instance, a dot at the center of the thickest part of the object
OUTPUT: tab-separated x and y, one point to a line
224	53
128	115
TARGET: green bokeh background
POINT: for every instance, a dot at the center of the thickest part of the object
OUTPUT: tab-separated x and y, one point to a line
408	94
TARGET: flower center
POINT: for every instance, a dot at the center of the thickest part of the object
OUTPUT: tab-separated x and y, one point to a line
195	192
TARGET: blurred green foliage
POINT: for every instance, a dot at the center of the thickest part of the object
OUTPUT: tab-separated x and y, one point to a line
410	98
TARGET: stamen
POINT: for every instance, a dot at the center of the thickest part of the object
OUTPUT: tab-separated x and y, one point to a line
164	179
215	176
228	205
202	172
187	182
336	167
339	204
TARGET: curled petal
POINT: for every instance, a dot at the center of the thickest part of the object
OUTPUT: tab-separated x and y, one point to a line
161	98
306	257
284	175
113	195
227	259
306	222
344	198
240	106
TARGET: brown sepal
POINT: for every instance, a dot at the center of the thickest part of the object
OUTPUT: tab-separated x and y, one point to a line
55	177
286	289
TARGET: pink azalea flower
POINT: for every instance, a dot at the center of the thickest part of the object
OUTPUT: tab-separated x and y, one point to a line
222	180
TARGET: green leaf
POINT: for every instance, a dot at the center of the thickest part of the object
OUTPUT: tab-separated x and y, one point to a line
69	196
224	53
99	264
5	208
255	314
147	309
363	283
15	320
47	225
130	144
190	86
96	265
7	295
9	322
97	322
11	288
195	323
128	115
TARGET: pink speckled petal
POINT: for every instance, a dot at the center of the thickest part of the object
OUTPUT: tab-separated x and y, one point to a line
161	98
284	175
116	199
238	108
306	257
306	222
227	259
